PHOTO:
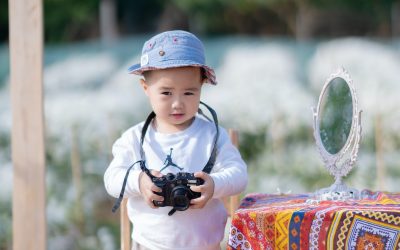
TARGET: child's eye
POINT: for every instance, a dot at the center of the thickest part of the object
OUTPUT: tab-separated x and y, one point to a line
166	93
189	93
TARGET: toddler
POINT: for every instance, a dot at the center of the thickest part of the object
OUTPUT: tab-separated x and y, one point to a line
176	138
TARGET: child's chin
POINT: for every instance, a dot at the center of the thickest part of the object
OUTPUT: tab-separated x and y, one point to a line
183	124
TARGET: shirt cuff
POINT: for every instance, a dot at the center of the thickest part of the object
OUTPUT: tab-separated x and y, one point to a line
218	185
133	182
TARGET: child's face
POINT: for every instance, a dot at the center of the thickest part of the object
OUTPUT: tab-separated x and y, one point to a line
174	95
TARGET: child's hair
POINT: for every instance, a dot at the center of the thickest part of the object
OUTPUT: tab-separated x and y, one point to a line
173	49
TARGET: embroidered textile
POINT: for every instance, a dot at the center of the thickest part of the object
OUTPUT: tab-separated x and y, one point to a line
266	221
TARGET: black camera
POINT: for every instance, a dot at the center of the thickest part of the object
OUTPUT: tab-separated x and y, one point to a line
176	190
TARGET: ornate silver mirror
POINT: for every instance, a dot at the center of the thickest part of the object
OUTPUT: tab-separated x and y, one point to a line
337	131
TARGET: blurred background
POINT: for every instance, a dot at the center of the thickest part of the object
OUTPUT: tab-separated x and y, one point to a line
271	59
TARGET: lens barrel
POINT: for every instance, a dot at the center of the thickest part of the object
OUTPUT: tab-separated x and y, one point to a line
180	198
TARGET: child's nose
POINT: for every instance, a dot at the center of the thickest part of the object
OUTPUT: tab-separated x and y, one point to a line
177	103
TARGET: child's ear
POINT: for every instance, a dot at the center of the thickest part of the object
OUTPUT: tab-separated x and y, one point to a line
144	85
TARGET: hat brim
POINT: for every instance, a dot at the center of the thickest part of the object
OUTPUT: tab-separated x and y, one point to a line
134	69
209	72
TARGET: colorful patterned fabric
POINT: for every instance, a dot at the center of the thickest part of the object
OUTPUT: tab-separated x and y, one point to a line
266	221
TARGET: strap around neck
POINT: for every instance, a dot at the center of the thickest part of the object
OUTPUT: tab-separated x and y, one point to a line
211	161
144	129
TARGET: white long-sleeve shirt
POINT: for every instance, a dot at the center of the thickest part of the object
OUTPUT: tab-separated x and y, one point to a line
190	149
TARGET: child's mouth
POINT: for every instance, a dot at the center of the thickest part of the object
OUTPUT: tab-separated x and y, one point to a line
177	116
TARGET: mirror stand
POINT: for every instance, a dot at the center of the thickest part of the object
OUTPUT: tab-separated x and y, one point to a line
338	191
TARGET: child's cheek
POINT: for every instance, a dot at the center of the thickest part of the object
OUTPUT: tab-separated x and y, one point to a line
164	98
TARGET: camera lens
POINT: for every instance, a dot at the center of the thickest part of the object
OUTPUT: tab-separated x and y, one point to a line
180	198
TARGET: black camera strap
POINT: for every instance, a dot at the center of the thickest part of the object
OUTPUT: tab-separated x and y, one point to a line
117	203
211	161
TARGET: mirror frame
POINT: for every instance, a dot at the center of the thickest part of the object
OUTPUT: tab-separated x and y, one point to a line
337	164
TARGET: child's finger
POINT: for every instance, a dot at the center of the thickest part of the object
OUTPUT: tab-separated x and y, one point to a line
156	197
154	188
150	198
197	203
156	173
198	189
202	175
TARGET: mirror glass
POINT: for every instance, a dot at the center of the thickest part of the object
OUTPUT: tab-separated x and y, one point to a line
335	115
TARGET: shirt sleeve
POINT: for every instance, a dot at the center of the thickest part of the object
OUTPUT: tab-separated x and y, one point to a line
230	171
124	155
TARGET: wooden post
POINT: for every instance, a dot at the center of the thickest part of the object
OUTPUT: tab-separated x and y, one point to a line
108	21
234	200
28	153
125	226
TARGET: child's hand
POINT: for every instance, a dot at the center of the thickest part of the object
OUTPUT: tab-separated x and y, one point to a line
147	188
206	190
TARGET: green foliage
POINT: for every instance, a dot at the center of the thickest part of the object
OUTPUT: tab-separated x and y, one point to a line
276	16
301	133
139	16
3	20
71	20
224	17
66	20
6	226
5	140
252	144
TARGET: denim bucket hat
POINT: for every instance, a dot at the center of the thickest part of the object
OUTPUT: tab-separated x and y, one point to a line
172	49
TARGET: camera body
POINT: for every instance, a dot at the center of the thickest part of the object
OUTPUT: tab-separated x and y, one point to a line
176	189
